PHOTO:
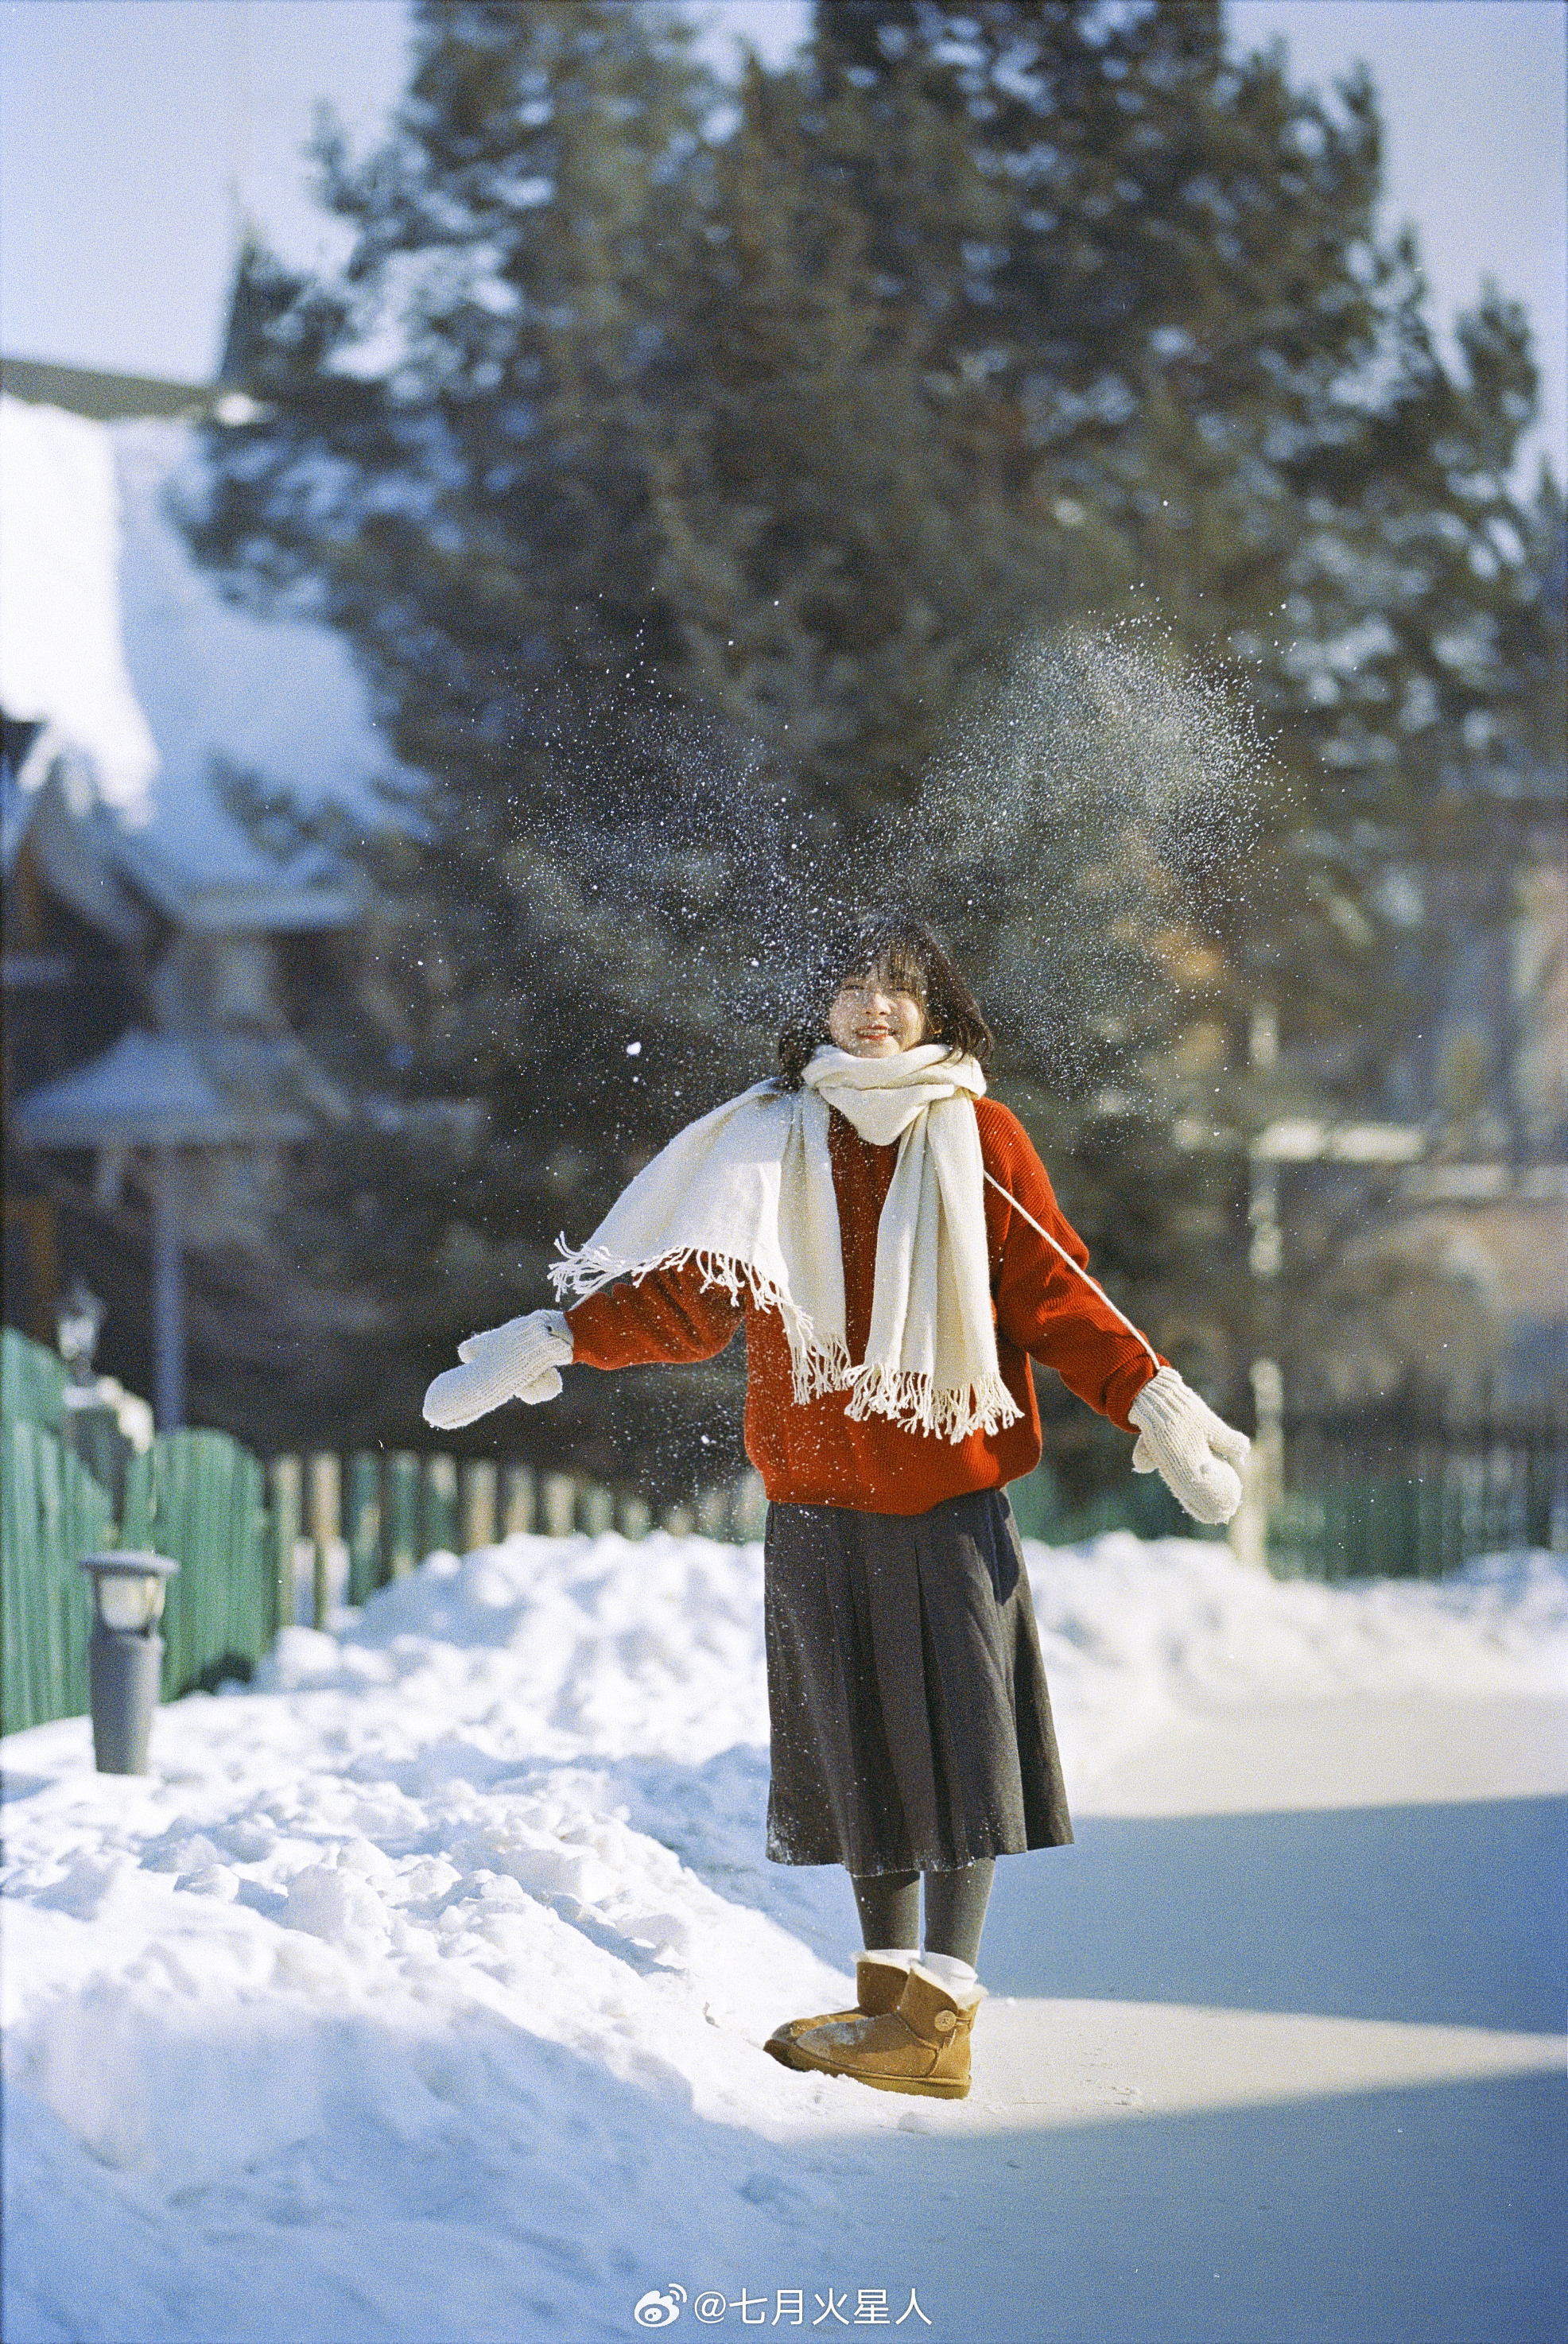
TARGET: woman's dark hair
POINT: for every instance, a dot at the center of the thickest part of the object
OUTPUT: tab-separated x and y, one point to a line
904	952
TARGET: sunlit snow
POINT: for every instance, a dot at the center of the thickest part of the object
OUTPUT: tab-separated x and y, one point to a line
419	1990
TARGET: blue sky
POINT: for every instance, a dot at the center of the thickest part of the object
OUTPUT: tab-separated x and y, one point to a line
134	134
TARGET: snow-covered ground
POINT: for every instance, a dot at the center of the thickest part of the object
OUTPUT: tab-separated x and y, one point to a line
418	1991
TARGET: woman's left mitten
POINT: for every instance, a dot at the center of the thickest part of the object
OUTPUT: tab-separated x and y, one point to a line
1195	1452
521	1360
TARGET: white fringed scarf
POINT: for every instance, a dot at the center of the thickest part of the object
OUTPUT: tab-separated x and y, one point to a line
746	1193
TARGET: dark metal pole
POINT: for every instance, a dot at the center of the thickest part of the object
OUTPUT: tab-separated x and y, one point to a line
168	1290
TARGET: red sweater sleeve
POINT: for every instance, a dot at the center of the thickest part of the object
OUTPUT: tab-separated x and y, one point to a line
669	1316
1042	1306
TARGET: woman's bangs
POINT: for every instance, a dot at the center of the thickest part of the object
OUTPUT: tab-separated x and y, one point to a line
889	950
901	969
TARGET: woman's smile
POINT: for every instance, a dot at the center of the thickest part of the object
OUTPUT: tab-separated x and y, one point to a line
873	1018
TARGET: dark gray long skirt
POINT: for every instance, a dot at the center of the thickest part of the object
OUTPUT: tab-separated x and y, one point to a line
911	1725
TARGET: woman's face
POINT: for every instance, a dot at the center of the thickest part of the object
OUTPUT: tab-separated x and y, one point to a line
873	1018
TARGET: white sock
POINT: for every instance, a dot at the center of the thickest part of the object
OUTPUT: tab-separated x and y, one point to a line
904	1954
957	1976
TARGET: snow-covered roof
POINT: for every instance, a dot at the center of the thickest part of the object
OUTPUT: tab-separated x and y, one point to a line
62	654
112	632
149	1090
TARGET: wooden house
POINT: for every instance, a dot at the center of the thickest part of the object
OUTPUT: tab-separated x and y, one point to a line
152	937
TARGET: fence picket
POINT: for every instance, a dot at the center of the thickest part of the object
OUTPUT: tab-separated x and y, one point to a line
22	1573
402	1499
714	1513
362	1527
634	1517
326	1524
477	1510
1538	1493
516	1496
285	1481
440	1505
557	1505
52	1657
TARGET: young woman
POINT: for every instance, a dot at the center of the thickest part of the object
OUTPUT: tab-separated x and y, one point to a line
890	1240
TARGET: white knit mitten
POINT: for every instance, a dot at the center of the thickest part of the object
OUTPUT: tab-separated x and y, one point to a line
1195	1452
521	1360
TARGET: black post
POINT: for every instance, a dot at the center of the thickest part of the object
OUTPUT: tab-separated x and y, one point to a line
125	1654
123	1672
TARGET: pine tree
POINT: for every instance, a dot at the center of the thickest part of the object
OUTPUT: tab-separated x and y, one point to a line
474	511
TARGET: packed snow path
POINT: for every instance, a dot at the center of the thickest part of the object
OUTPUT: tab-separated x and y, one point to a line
418	1993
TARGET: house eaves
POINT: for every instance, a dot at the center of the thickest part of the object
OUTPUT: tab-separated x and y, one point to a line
74	852
151	1090
287	902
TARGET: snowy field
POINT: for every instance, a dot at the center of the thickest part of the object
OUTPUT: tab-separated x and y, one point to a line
418	1992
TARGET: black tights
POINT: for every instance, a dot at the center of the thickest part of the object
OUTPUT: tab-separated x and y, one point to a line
956	1903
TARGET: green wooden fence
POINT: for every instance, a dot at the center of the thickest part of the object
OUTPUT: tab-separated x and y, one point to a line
1390	1492
1399	1492
200	1498
259	1546
52	1513
359	1521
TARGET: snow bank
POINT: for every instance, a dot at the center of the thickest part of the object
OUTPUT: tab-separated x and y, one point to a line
419	1989
1134	1635
655	1650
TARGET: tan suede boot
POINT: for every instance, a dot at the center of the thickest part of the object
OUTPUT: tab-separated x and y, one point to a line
921	2045
878	1983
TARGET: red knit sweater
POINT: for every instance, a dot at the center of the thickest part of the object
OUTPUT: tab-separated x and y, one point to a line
812	1454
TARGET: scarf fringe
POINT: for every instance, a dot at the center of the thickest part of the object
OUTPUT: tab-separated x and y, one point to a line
911	1401
907	1398
814	1368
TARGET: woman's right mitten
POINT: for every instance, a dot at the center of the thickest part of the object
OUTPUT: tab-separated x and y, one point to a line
521	1360
1195	1452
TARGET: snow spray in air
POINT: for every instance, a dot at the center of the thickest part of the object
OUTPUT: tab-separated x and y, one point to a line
1080	838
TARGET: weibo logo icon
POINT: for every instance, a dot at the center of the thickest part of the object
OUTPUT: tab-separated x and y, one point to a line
656	2311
